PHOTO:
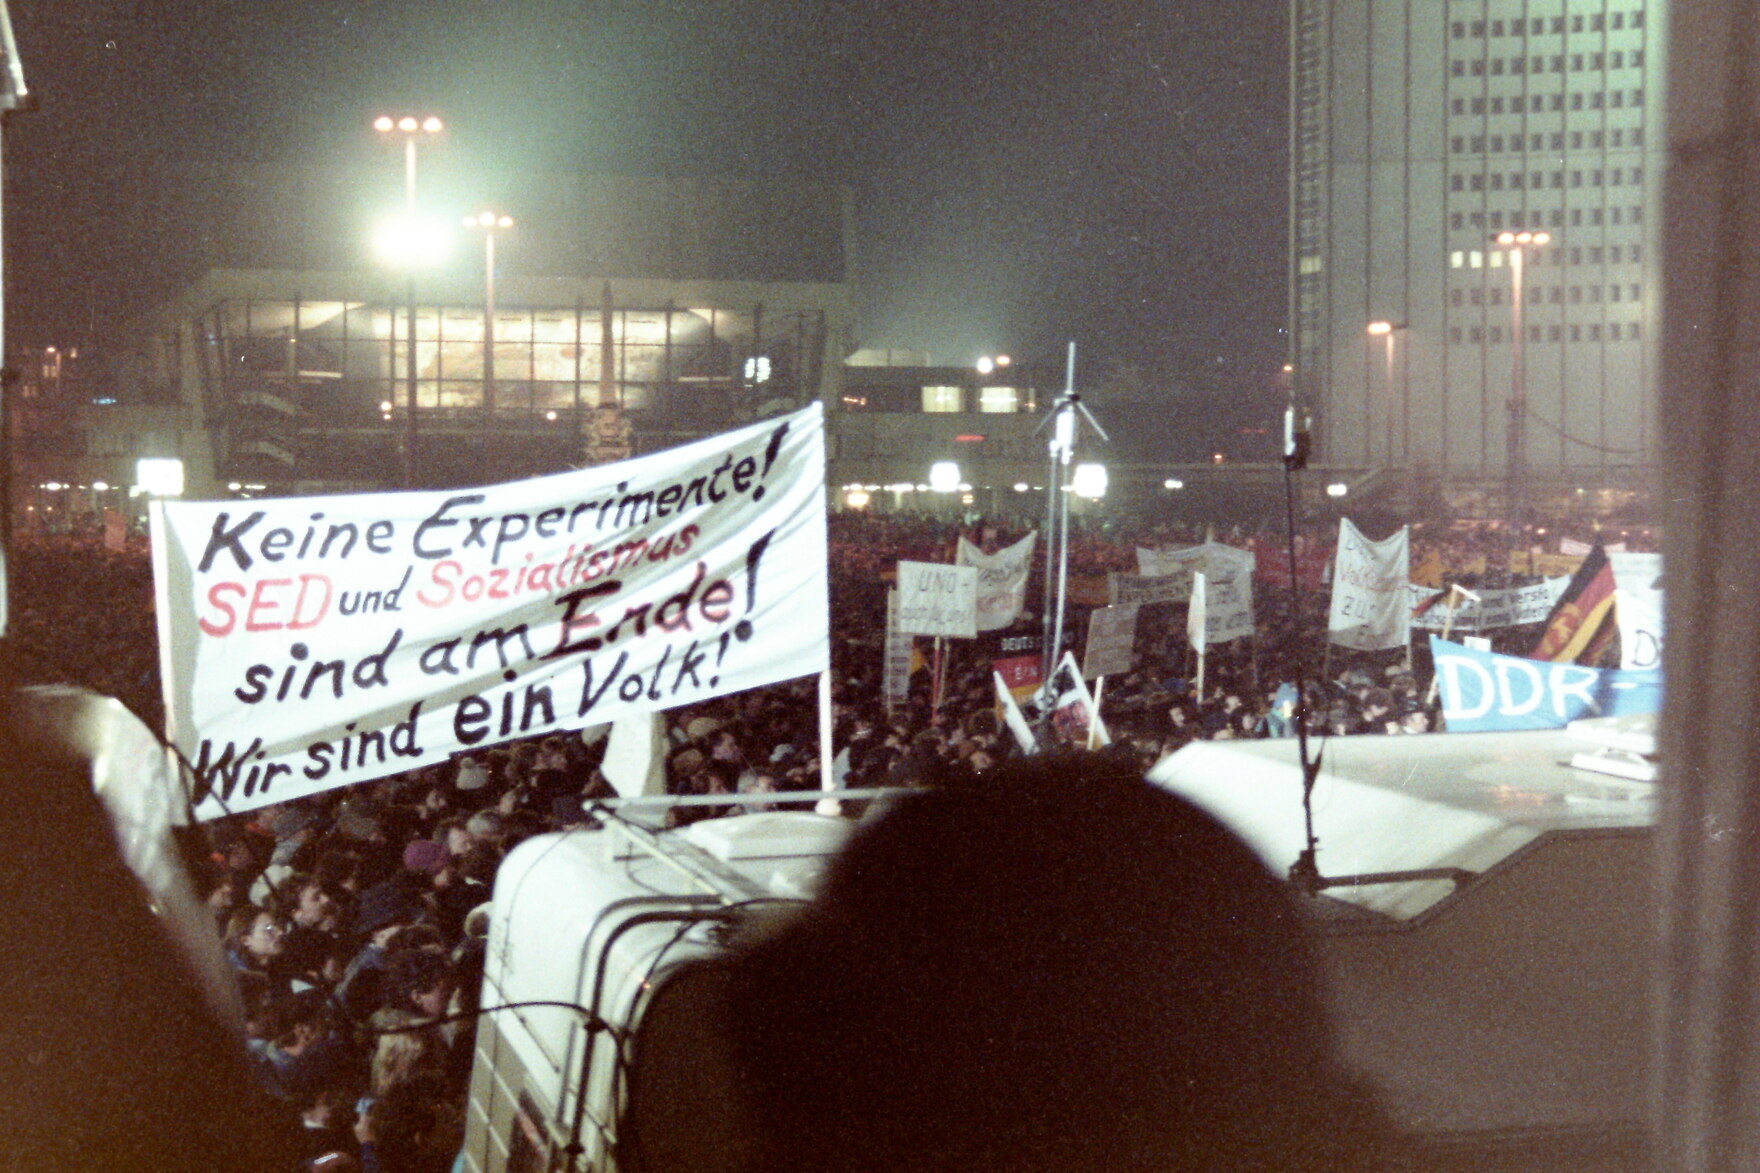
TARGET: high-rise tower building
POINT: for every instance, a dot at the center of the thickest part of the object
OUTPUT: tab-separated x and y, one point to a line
1448	157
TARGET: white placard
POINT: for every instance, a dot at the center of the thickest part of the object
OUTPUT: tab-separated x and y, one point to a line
1112	634
895	670
1637	608
1197	614
935	598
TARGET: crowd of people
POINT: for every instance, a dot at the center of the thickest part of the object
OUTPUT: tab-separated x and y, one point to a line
356	919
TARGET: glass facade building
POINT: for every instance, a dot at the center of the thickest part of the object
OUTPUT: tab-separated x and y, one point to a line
317	390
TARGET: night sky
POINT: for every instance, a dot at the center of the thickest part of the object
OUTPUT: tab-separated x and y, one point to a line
1025	172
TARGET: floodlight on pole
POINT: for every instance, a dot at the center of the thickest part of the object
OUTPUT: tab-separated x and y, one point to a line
412	127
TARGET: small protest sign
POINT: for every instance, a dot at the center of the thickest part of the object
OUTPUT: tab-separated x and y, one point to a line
935	598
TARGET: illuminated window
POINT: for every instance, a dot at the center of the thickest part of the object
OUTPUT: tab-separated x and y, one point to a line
941	399
999	400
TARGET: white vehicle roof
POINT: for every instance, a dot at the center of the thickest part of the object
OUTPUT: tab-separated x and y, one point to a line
1503	992
1405	803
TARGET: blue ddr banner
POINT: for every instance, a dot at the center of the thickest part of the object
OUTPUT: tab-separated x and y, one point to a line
1485	692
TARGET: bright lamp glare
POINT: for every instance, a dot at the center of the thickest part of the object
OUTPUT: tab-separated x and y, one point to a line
159	475
385	123
986	365
1089	480
944	476
1337	489
406	242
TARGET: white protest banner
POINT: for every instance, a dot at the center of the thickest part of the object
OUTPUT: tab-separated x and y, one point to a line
1112	634
635	755
935	598
1197	616
895	670
1637	608
1013	717
1369	608
1002	580
313	642
1157	563
1134	588
1229	579
1507	607
1228	593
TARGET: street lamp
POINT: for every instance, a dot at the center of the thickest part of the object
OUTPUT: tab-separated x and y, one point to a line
490	223
412	127
1517	245
1386	331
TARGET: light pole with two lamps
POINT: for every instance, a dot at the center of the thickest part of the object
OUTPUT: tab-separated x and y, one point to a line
412	128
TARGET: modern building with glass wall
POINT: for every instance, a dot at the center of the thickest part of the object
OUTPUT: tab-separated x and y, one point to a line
308	387
689	308
1475	264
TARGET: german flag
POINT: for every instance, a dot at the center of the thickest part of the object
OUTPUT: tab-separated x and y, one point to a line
1581	625
1430	603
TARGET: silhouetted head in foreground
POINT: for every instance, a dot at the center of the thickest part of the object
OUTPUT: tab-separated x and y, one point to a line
1056	967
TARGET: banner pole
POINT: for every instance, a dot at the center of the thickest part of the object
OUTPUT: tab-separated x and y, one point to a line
1094	724
827	768
937	676
1454	596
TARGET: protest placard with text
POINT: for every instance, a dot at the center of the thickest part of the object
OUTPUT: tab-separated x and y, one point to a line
935	598
308	643
1002	580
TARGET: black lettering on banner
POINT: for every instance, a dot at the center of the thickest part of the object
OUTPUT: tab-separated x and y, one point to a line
570	631
439	520
222	539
